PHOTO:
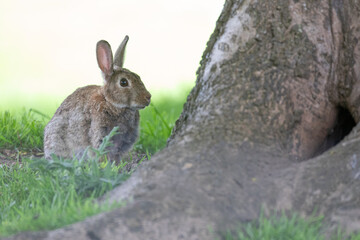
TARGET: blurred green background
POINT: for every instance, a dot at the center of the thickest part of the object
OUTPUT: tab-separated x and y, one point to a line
47	48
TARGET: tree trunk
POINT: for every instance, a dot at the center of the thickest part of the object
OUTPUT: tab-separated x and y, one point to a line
278	85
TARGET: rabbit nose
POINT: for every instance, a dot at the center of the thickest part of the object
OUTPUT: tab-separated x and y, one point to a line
148	97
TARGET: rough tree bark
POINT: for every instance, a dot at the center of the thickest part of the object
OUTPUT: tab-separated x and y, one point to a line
277	86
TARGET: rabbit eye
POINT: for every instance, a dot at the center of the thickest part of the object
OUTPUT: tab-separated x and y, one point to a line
124	82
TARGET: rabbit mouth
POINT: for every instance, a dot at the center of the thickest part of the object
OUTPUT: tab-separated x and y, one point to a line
132	107
141	105
137	107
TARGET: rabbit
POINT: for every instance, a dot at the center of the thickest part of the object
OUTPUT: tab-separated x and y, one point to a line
89	114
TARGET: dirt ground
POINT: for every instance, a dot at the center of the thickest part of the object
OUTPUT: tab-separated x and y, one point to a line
12	156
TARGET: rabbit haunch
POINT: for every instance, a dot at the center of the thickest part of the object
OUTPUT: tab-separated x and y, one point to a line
90	113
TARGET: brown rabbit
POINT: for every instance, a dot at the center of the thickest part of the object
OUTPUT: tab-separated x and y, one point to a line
90	113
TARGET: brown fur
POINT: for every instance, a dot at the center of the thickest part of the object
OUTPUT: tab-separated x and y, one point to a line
90	113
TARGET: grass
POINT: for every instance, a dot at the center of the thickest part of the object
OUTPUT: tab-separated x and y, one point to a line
23	130
38	194
286	227
156	124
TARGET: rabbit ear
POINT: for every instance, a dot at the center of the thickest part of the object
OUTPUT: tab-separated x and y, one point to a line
119	55
104	57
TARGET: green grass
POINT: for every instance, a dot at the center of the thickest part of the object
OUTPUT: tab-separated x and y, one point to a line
38	194
24	130
285	228
156	123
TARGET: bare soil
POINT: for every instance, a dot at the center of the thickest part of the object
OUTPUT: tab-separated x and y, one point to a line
12	156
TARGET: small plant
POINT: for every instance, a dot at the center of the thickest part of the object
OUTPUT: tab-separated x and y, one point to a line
91	176
47	194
